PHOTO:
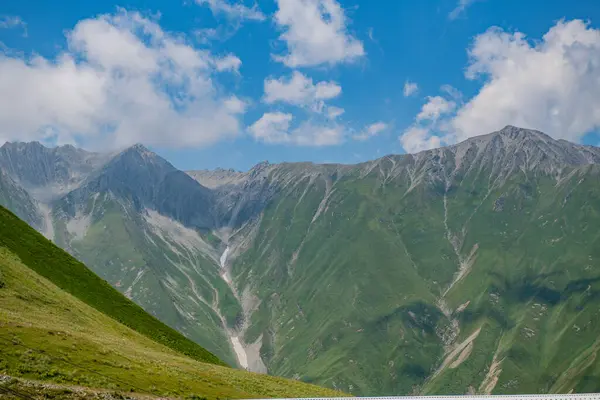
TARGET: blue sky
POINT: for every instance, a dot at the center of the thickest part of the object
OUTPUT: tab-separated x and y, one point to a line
229	83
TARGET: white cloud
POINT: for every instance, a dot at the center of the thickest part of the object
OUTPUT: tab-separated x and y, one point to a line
13	21
435	107
234	9
317	135
206	35
334	112
420	136
315	33
371	34
122	80
371	131
460	8
410	88
228	63
274	128
452	92
300	90
416	139
551	85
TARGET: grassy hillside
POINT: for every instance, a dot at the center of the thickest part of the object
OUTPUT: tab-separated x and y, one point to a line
70	275
396	289
49	334
163	269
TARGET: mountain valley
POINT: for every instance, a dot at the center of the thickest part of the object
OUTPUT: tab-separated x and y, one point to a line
470	268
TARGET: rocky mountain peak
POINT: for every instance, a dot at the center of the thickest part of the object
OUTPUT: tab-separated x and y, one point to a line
524	148
48	172
140	151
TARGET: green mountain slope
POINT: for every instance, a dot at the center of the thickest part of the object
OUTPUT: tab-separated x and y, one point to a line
60	323
121	223
533	291
75	278
458	270
161	265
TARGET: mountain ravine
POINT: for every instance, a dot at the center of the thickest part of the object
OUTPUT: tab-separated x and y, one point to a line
471	268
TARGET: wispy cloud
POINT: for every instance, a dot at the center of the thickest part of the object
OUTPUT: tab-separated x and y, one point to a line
460	8
410	88
233	9
12	22
371	131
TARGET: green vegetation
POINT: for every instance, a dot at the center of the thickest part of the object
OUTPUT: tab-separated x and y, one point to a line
54	264
49	334
471	269
154	270
362	287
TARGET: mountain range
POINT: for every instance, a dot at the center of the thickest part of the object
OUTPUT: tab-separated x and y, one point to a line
470	268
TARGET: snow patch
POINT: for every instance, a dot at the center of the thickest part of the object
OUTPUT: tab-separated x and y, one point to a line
248	356
238	348
239	351
223	258
223	263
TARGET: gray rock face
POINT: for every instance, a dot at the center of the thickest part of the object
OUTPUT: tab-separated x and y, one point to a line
241	196
141	177
217	178
16	199
48	173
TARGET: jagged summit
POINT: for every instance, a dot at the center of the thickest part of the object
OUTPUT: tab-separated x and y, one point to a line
527	148
140	150
213	179
48	172
137	147
22	145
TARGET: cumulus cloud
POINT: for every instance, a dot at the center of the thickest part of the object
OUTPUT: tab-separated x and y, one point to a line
435	107
371	131
272	127
416	139
122	80
550	85
233	9
275	128
420	136
410	88
315	33
299	90
228	63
